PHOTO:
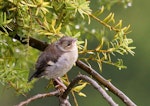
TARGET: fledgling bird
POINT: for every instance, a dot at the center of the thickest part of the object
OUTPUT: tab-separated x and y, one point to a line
57	59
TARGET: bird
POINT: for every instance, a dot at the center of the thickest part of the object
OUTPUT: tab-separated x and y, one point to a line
57	59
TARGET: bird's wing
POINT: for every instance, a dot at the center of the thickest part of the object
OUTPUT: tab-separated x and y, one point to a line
47	58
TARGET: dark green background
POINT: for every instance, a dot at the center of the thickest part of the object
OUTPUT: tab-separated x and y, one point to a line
134	81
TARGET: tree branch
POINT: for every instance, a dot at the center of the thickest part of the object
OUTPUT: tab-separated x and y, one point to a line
105	82
38	96
94	84
63	102
41	46
37	44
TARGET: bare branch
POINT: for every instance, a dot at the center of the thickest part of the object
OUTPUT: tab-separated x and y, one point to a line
37	44
64	102
105	82
38	96
94	84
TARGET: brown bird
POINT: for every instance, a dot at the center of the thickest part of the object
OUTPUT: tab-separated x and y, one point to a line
57	59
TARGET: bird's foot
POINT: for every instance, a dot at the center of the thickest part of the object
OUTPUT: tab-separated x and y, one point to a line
60	85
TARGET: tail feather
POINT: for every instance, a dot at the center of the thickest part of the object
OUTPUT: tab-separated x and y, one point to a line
35	75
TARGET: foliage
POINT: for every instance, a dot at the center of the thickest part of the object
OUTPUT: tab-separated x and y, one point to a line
47	20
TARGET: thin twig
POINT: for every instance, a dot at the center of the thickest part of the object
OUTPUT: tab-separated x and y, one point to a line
102	22
94	84
74	98
38	96
72	92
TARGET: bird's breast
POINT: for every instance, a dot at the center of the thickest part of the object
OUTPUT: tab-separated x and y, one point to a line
62	66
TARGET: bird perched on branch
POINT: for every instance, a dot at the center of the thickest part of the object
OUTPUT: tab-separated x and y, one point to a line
57	59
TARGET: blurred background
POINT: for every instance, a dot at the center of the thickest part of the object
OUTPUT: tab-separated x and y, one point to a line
133	81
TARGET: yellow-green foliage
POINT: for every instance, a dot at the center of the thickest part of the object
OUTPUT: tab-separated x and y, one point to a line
47	20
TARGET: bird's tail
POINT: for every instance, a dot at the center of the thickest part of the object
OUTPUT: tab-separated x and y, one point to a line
37	74
33	76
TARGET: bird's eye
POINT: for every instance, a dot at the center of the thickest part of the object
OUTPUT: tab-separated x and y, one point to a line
68	44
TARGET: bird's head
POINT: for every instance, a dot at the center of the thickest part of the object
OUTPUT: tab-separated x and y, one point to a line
67	43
